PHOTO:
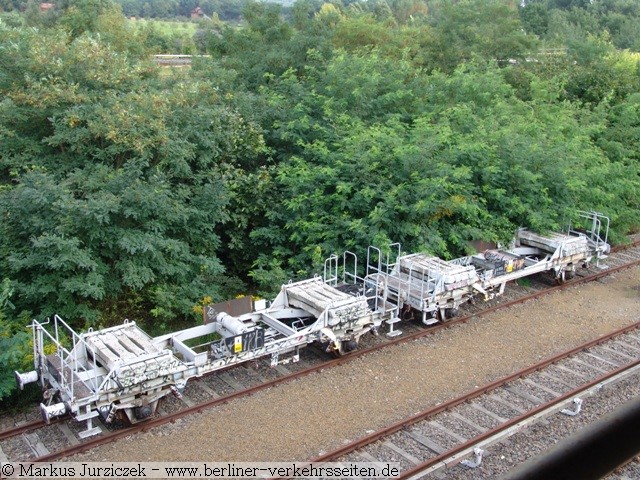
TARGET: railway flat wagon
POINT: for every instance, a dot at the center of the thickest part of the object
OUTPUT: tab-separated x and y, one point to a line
422	285
122	372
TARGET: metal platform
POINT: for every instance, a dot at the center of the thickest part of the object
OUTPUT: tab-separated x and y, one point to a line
554	242
438	287
120	345
67	377
401	282
315	296
436	271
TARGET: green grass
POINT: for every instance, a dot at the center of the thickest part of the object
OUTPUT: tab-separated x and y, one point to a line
167	27
523	282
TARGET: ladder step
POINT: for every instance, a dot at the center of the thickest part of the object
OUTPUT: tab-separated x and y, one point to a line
90	432
87	416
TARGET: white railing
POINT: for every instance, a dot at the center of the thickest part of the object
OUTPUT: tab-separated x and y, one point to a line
72	366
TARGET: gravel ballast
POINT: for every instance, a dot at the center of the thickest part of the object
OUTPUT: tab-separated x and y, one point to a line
535	440
320	412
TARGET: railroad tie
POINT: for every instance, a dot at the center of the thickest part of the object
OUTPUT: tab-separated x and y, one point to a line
430	444
392	446
446	430
207	389
471	423
572	372
635	337
367	457
493	415
525	395
616	352
232	382
628	345
602	359
66	431
36	445
541	387
502	401
588	365
556	379
282	369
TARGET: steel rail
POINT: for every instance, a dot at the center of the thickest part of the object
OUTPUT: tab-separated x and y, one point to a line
430	412
513	422
31	425
591	452
624	246
25	427
170	418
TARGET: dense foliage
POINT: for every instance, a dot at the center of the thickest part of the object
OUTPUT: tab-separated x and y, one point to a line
132	191
224	9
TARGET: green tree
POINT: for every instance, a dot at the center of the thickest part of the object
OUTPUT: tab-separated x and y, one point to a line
535	18
621	139
15	350
81	16
380	153
461	31
597	72
114	181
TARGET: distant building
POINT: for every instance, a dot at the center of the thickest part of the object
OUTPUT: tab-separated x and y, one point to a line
197	13
45	7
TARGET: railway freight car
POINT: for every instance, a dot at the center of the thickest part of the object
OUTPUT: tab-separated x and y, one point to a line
123	372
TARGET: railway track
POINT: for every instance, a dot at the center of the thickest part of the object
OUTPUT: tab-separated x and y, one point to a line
458	432
36	441
17	430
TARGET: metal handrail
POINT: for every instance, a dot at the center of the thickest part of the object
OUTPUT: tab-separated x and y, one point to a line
63	353
345	273
330	274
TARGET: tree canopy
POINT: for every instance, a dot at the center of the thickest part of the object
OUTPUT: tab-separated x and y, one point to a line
128	190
